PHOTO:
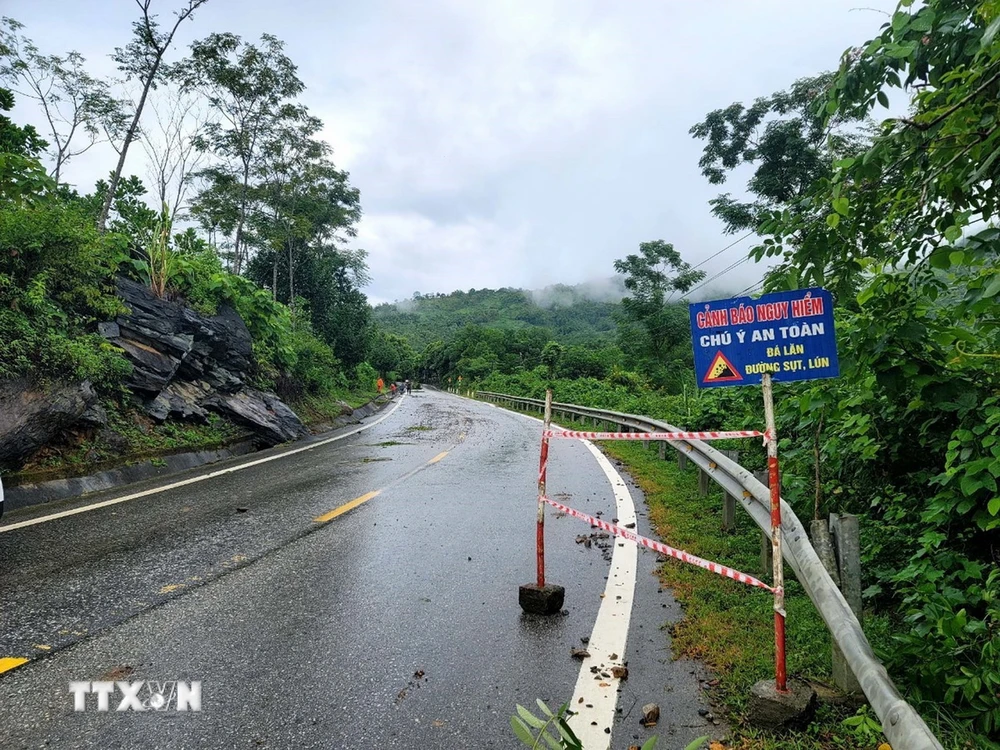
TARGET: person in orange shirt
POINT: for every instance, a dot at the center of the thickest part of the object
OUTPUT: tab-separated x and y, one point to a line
380	384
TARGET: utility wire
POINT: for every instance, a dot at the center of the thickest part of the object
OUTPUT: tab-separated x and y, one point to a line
716	255
723	272
752	288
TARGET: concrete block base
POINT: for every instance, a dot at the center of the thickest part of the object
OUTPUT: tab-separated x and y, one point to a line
769	709
541	600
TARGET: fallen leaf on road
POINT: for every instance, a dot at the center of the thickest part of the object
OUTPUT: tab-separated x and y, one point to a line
119	673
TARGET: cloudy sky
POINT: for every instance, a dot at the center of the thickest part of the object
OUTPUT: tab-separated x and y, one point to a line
508	142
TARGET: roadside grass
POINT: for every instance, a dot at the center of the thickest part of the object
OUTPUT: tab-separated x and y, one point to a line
419	428
313	410
131	436
729	626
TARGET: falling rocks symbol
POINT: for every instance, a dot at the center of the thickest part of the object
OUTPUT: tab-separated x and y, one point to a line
722	370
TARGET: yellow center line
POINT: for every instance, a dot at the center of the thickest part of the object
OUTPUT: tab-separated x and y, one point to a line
10	662
326	517
346	507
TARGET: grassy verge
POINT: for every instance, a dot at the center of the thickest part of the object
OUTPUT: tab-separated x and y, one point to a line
318	410
131	436
729	626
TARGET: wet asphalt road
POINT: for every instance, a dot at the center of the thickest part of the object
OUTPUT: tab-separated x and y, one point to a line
393	625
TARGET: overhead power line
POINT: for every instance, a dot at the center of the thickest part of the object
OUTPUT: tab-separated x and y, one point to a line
752	289
720	252
721	273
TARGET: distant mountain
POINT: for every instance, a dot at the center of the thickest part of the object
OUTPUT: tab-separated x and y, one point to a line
572	314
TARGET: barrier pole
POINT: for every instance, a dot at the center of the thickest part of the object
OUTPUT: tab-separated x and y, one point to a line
778	568
542	462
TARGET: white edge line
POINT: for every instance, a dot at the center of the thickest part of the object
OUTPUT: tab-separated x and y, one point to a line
595	700
193	480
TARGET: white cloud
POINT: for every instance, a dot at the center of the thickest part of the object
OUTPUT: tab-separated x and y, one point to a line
410	253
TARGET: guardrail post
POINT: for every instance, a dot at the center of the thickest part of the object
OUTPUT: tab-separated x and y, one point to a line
702	482
663	449
766	554
682	459
846	537
728	501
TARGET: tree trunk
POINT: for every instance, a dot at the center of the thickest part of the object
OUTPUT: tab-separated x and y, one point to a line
238	258
102	220
291	278
274	277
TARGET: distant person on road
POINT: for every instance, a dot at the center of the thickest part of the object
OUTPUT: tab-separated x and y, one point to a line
406	385
380	384
392	387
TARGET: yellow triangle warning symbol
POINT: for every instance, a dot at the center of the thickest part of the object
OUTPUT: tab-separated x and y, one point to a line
721	370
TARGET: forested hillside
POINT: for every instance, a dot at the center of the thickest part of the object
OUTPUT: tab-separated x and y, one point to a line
163	313
567	312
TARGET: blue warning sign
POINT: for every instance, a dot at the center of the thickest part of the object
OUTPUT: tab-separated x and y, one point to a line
788	334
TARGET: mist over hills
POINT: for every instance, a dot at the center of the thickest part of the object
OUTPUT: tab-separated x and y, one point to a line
573	314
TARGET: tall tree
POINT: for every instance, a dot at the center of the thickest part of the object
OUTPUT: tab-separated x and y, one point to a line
76	106
250	89
650	277
142	60
782	138
790	144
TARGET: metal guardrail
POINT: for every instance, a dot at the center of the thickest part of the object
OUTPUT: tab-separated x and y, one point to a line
901	724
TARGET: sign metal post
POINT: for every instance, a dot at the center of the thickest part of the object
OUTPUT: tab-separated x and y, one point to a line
780	337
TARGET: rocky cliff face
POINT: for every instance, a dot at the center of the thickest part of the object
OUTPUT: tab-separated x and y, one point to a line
31	416
185	365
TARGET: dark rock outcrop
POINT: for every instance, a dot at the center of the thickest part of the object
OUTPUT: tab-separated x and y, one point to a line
166	340
264	413
186	365
33	415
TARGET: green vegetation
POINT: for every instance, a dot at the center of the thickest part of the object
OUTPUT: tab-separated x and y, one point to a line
897	218
568	314
728	625
272	211
129	437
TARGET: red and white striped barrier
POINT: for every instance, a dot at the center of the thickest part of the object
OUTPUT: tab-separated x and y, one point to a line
660	547
716	435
